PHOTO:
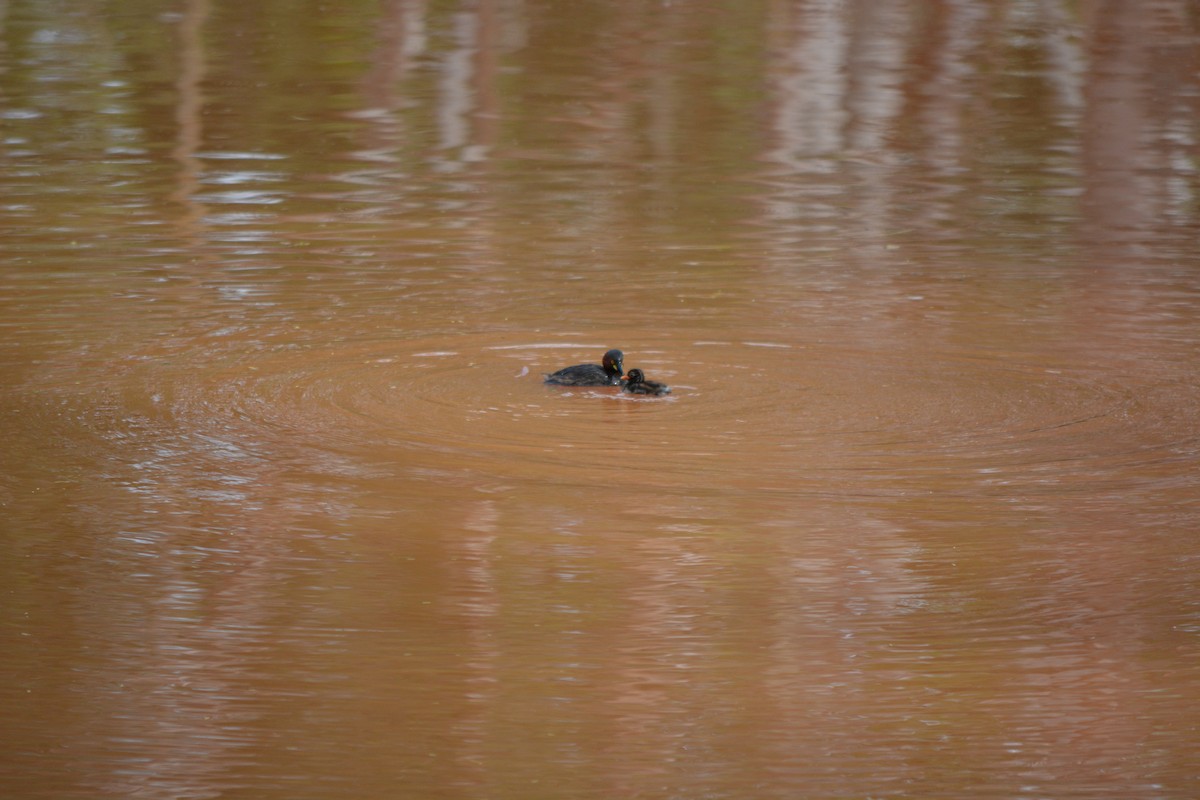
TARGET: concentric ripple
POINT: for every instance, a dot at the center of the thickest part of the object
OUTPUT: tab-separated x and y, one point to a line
748	415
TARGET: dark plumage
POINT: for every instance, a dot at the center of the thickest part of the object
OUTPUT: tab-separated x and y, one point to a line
637	384
607	373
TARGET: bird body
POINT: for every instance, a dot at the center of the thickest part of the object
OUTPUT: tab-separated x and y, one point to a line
607	373
637	384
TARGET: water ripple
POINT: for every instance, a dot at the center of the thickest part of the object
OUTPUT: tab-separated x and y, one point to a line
746	415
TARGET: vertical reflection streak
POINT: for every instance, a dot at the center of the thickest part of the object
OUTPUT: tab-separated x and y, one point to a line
188	115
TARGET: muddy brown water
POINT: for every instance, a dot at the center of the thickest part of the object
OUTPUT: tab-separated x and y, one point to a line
287	510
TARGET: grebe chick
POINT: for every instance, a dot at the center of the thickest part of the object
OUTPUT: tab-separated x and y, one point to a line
637	384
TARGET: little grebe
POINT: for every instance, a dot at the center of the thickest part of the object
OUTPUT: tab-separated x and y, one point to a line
638	384
606	374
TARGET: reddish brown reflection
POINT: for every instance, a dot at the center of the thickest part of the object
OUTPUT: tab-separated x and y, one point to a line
288	511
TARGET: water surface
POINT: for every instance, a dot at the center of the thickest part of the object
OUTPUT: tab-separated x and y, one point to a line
287	510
